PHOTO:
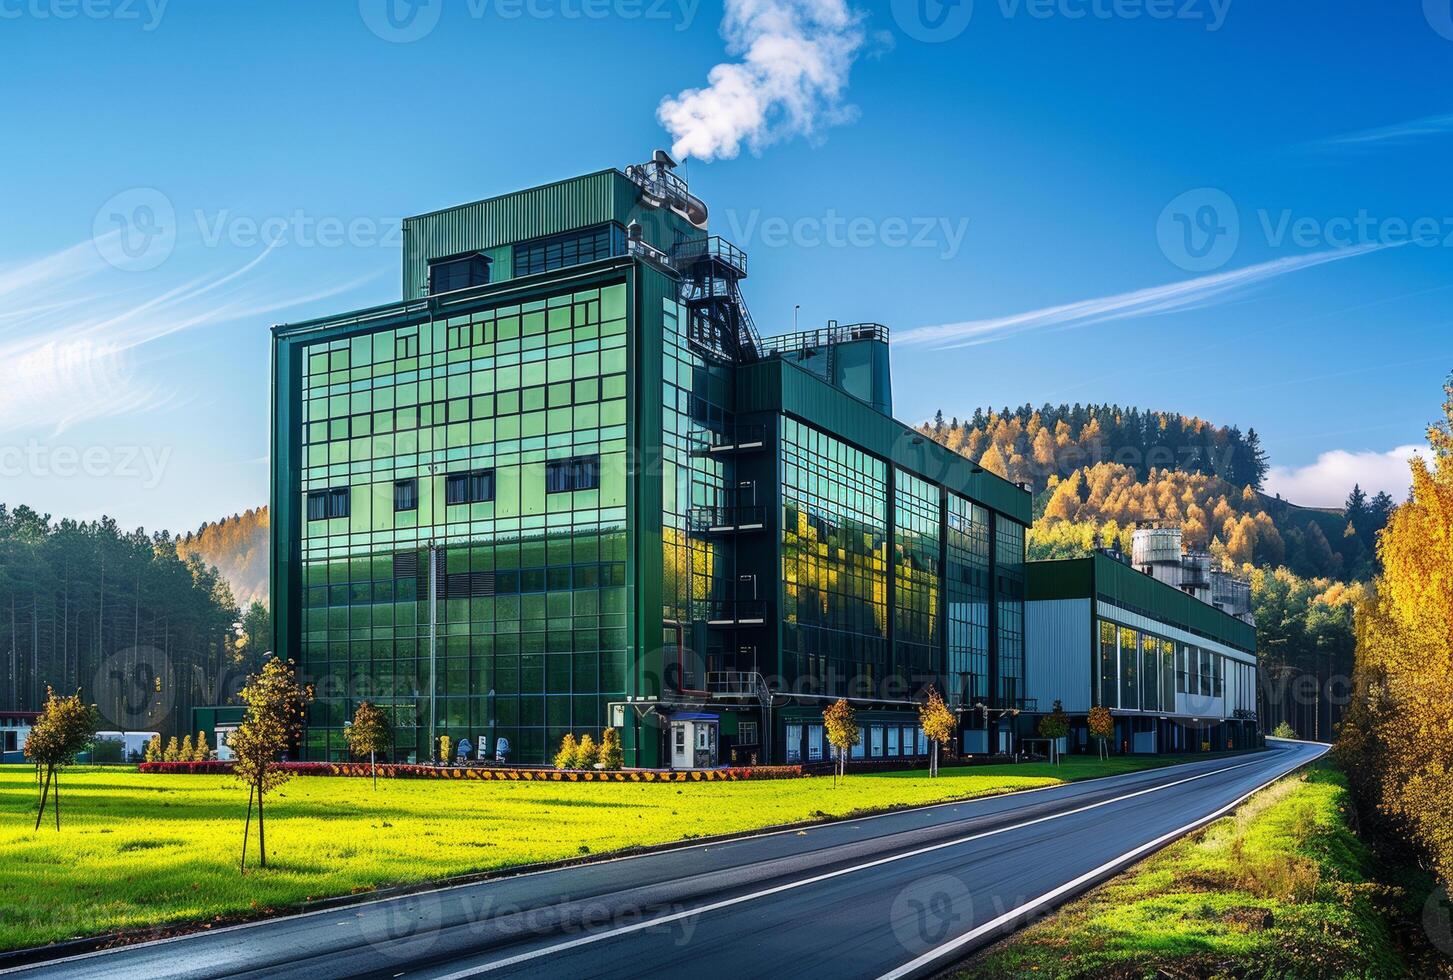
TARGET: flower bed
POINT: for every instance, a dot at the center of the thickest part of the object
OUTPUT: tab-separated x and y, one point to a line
397	770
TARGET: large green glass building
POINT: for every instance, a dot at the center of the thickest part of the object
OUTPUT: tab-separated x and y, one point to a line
563	484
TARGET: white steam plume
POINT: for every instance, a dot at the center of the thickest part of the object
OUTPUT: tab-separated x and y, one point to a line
794	57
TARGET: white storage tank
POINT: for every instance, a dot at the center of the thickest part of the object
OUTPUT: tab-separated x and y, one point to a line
1156	551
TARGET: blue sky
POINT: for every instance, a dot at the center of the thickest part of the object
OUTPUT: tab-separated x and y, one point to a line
1196	206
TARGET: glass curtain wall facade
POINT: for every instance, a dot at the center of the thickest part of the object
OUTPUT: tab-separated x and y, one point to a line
1009	626
967	584
840	607
695	414
1141	671
834	561
442	433
918	583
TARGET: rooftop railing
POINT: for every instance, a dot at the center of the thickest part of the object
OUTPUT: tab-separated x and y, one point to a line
712	247
800	340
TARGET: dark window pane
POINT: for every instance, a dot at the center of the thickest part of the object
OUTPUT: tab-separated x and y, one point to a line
557	475
586	472
459	272
474	487
481	486
456	488
571	248
406	495
328	503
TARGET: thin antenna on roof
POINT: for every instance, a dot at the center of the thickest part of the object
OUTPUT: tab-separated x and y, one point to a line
795	310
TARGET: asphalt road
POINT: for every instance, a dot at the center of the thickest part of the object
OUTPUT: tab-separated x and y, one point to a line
902	894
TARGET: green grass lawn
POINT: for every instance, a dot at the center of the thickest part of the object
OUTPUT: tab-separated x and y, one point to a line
1281	888
141	850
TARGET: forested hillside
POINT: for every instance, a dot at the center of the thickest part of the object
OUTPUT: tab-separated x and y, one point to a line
237	547
1099	470
140	631
1033	445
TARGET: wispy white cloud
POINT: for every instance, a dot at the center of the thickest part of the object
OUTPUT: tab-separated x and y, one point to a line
794	60
1408	131
1176	297
1326	482
70	340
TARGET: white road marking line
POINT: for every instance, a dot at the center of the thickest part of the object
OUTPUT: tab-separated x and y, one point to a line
789	886
953	945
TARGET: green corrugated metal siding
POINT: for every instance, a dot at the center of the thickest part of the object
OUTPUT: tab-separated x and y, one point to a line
493	225
1101	577
774	385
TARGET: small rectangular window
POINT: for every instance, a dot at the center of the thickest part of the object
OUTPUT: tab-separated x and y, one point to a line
406	495
578	473
406	345
456	488
587	472
458	272
481	486
328	503
557	475
474	487
570	248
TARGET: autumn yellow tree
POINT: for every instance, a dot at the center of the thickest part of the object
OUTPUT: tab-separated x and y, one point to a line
1397	741
276	705
65	728
1102	727
587	753
368	735
840	723
993	461
569	748
938	723
611	756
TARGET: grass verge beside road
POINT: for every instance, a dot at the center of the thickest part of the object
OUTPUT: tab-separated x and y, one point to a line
1281	888
144	850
